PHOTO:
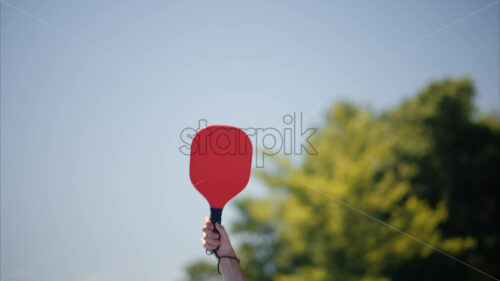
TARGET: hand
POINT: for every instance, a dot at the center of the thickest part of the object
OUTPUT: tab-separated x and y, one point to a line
210	239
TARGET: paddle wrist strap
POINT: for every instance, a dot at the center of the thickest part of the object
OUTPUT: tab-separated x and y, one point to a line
222	257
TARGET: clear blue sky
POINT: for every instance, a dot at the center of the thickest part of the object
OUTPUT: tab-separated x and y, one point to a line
95	94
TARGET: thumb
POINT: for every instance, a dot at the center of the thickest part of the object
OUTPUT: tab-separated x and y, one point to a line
222	231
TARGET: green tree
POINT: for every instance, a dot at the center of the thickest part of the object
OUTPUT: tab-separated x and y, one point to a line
428	168
202	271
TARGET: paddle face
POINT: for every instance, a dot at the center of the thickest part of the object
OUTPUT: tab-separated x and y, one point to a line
220	163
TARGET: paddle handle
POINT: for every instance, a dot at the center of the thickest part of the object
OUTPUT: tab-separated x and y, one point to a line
215	216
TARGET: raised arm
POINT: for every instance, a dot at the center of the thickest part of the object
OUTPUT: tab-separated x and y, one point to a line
229	264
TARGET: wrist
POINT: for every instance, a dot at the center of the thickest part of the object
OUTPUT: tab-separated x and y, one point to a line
228	263
226	252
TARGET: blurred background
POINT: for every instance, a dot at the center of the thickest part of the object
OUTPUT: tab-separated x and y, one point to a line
405	97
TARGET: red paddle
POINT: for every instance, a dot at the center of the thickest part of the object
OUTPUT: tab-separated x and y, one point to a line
220	163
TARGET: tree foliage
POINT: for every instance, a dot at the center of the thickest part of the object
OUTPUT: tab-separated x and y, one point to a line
383	190
202	271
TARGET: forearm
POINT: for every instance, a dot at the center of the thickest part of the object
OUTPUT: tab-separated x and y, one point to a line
231	270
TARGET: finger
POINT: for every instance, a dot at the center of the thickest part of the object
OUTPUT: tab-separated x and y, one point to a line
206	219
208	223
210	233
210	246
209	241
212	240
222	231
206	238
208	226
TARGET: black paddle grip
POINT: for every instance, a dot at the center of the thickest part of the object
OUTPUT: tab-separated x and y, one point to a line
215	217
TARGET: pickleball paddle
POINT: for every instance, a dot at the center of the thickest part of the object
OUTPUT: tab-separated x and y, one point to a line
220	164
